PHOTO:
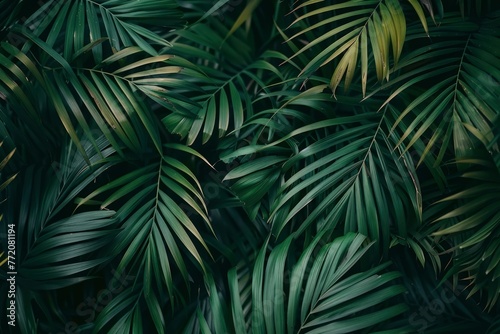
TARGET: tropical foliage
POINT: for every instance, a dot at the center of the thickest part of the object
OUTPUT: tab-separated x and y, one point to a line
253	166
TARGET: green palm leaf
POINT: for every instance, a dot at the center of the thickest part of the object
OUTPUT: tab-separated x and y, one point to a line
42	238
5	181
312	294
54	251
222	102
460	101
123	23
153	222
114	93
354	177
352	29
21	85
257	233
9	14
438	308
472	229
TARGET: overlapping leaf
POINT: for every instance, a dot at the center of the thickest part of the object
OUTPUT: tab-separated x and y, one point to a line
78	23
158	236
54	251
350	174
10	12
224	100
356	31
43	239
460	101
22	93
425	293
117	94
317	293
304	166
473	229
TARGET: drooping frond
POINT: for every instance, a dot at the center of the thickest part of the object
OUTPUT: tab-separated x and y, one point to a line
224	100
473	229
82	25
309	294
337	170
353	31
155	227
459	75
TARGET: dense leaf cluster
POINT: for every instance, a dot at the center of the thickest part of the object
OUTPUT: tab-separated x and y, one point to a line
235	166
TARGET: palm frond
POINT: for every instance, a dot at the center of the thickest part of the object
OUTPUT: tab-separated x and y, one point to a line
319	292
460	99
114	93
346	172
353	30
224	101
434	307
153	223
123	23
10	13
476	252
54	251
105	106
22	93
124	313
